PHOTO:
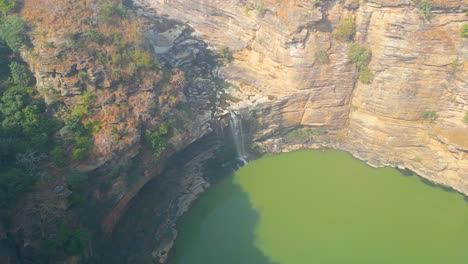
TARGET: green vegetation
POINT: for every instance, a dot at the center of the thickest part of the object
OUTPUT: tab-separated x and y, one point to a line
464	31
246	10
26	132
425	10
466	117
361	57
110	12
301	134
77	183
12	29
260	8
6	6
225	54
454	66
83	76
157	139
57	155
345	30
366	76
93	35
132	170
431	116
321	56
68	241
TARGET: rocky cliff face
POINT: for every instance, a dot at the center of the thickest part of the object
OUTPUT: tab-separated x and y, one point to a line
287	73
419	66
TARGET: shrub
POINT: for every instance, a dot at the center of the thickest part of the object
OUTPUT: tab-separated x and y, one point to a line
142	59
157	140
6	6
79	154
109	11
14	183
47	44
246	10
224	53
88	97
425	10
321	56
77	183
19	73
83	76
93	35
80	111
430	115
302	134
57	155
454	65
71	241
466	117
260	8
359	55
464	32
83	142
366	75
12	32
345	30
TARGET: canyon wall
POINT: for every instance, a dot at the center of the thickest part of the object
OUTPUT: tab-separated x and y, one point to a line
419	65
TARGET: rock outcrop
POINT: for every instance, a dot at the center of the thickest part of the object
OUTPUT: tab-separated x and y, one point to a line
419	66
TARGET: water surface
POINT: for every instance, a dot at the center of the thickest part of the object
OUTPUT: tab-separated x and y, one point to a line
324	208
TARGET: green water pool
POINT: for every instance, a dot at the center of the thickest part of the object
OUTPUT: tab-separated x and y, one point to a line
323	207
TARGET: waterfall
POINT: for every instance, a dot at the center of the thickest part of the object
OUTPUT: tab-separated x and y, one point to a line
237	132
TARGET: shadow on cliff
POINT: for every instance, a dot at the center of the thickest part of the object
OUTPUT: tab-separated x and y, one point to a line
220	228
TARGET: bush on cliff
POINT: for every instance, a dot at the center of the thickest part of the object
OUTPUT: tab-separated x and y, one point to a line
431	116
321	56
464	32
366	76
157	139
345	30
12	32
361	57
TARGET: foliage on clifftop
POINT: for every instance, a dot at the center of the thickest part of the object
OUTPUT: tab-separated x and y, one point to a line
98	47
103	90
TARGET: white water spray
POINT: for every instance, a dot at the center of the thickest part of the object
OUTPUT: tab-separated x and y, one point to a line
235	125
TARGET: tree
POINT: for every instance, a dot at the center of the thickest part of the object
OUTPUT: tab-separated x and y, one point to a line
19	73
71	241
359	55
157	140
6	6
13	183
12	32
77	183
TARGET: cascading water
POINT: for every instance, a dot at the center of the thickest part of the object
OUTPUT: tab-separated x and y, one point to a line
237	132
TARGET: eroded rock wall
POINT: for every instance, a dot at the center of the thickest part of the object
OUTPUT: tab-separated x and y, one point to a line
280	79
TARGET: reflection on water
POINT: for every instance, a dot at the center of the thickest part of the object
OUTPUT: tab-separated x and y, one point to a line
234	239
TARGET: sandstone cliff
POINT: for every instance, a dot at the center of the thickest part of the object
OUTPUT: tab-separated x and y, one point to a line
419	65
